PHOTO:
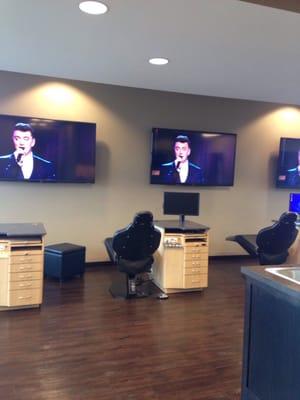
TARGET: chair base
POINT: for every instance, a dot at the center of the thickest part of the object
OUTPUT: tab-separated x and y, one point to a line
271	259
126	288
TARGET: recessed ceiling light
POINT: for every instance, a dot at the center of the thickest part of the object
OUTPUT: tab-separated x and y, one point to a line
158	61
93	7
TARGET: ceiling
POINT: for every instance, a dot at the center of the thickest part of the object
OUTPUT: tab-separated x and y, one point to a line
225	48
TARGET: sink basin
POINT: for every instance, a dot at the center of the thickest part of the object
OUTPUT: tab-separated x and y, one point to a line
290	273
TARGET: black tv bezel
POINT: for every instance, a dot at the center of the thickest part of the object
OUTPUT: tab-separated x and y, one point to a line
231	184
28	181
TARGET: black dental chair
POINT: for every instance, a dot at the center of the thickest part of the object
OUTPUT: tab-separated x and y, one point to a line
271	244
132	249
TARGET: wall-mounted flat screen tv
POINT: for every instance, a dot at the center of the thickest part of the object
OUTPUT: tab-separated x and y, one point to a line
288	167
294	203
196	158
46	150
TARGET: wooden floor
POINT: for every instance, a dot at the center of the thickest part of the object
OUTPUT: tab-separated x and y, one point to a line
85	345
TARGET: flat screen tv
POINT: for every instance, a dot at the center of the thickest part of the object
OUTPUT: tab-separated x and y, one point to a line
192	158
294	203
181	203
46	150
288	167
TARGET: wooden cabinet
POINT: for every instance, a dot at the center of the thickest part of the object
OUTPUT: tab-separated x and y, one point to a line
21	273
181	261
271	359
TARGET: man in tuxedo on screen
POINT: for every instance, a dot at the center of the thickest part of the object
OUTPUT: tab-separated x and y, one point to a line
293	174
181	170
23	164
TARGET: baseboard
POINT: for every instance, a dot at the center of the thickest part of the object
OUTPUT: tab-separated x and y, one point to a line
94	264
232	257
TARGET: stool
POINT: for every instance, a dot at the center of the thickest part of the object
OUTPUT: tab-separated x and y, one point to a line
64	260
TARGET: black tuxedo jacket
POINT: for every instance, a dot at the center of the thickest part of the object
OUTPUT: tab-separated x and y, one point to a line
42	169
293	178
170	174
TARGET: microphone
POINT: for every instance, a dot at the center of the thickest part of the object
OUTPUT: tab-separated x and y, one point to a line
20	155
178	164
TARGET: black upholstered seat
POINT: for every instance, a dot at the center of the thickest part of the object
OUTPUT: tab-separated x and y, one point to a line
132	249
271	244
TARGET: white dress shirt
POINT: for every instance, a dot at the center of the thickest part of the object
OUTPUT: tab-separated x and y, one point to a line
183	171
26	164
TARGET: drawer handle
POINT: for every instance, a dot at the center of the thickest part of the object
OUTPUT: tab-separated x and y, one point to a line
27	267
24	297
26	276
25	284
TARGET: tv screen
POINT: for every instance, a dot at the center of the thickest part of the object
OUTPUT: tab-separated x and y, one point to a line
179	203
45	150
294	204
288	168
181	157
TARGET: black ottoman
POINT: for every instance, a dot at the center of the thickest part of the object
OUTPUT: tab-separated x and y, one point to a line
64	260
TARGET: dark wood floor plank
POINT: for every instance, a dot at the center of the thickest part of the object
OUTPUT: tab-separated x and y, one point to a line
84	344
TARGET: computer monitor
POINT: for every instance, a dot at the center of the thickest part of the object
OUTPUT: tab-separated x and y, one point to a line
181	203
294	203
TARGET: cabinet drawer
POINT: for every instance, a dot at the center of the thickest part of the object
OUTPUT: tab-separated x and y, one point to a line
197	281
25	267
26	258
195	256
196	270
197	263
196	249
16	285
193	271
25	297
25	276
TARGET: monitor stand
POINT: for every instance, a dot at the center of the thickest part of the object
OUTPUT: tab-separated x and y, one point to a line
181	220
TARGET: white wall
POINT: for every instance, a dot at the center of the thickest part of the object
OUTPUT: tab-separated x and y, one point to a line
86	214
